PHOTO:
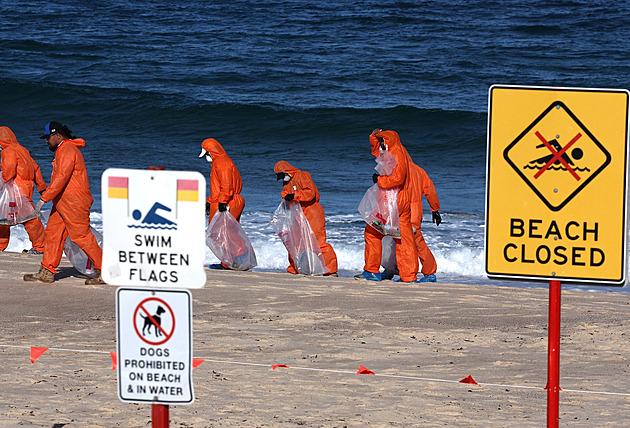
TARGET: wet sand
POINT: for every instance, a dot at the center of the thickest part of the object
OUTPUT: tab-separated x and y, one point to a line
420	340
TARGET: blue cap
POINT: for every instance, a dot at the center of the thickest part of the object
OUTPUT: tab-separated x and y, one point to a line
51	128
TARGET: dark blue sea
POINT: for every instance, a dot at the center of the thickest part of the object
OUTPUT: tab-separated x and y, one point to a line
145	82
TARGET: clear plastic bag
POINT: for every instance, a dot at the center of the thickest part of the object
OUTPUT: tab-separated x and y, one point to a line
229	242
388	255
15	207
77	256
385	163
293	228
379	207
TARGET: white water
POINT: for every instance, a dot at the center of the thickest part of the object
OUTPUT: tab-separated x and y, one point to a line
457	245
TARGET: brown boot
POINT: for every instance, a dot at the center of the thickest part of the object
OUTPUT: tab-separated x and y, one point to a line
98	279
44	275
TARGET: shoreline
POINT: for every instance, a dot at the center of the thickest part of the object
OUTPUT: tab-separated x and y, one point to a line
420	340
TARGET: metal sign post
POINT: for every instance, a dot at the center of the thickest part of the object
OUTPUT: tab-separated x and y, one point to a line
154	229
553	356
553	154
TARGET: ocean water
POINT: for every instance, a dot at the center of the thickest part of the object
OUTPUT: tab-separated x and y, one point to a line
304	81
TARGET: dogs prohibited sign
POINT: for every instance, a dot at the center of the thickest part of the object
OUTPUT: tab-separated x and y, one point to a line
154	339
557	176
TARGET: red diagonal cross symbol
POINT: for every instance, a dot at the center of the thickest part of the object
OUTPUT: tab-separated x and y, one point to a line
154	322
557	156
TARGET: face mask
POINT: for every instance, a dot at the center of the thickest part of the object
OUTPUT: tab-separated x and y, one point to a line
381	142
286	178
209	158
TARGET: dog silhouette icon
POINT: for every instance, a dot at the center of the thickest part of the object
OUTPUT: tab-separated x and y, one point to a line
148	322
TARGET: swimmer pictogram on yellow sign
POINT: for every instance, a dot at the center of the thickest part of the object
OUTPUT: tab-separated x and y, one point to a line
556	188
557	155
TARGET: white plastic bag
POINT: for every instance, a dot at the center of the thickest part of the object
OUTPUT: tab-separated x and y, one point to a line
77	256
379	207
385	163
388	255
293	228
229	242
14	205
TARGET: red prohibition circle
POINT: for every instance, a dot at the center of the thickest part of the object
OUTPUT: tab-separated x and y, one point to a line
166	335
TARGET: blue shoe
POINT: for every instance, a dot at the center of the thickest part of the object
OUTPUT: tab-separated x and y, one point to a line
427	278
216	266
369	276
387	274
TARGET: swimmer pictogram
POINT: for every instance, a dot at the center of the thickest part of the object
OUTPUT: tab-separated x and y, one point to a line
153	220
557	156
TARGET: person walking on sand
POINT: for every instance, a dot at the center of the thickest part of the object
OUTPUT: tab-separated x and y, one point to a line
297	185
406	253
225	185
69	190
421	185
18	165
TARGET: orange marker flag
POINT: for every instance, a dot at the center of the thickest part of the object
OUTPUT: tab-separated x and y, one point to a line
364	370
114	360
275	366
196	362
37	352
468	379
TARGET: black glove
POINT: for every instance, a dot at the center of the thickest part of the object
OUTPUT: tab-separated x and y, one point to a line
437	218
375	177
207	208
222	207
289	197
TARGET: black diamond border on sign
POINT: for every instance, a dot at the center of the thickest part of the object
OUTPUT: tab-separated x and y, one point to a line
583	128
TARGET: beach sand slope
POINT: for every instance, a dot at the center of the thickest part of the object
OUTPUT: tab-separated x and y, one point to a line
420	340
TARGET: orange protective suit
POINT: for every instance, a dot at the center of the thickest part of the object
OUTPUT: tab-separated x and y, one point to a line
225	181
69	189
305	192
421	184
17	164
406	254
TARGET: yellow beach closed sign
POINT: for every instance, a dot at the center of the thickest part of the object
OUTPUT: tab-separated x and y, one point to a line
557	181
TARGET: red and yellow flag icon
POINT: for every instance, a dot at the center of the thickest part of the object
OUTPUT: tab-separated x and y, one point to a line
188	190
118	187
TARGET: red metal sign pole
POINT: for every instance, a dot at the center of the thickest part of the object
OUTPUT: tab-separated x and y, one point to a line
553	356
159	415
159	412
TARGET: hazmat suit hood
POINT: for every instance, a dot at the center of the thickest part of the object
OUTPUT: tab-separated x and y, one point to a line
286	167
213	147
391	139
79	142
7	137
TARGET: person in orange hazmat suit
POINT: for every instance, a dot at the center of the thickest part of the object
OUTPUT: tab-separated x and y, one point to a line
297	185
406	253
18	165
225	184
421	185
69	191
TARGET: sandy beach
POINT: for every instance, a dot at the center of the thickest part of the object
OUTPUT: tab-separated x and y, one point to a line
419	340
